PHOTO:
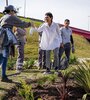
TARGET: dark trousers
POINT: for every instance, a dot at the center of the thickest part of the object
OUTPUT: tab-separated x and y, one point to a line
20	58
67	48
42	58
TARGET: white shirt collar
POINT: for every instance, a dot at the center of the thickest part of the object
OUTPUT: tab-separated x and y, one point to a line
46	24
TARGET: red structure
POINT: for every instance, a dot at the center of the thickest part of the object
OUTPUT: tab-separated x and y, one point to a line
82	32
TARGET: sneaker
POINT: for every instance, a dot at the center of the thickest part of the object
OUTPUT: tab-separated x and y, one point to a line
19	70
5	79
56	72
47	72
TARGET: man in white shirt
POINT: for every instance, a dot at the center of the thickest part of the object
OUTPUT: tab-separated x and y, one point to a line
51	40
67	40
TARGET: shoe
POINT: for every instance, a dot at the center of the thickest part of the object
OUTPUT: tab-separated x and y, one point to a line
56	72
5	79
47	71
19	70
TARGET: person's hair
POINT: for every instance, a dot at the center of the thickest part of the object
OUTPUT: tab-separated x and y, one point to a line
67	20
6	11
49	14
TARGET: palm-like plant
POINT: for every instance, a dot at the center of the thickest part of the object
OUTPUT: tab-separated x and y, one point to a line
82	76
65	74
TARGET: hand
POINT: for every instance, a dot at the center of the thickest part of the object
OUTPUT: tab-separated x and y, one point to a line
73	49
61	45
32	25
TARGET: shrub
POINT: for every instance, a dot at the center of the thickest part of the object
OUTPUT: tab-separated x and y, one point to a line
64	75
73	60
28	64
82	76
52	78
10	64
26	91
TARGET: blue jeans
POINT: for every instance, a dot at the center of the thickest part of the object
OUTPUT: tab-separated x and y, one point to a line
3	60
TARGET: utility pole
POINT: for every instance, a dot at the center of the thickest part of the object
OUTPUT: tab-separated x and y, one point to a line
6	2
24	7
88	22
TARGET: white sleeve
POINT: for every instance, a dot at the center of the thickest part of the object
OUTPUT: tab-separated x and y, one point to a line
32	30
40	29
59	32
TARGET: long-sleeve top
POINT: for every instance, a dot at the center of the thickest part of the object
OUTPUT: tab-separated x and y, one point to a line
66	34
21	35
8	21
51	36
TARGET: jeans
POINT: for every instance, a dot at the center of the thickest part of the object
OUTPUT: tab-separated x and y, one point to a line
56	58
3	60
67	48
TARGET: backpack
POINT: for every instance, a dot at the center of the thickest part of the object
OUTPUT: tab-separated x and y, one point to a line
2	36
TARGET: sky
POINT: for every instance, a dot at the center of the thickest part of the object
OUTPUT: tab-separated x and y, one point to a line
78	11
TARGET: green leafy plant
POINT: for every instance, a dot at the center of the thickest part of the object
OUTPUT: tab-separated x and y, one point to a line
85	96
64	75
11	63
52	78
42	81
26	91
82	77
29	64
73	60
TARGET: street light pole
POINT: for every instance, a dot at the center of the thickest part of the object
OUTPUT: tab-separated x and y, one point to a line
6	2
24	7
88	23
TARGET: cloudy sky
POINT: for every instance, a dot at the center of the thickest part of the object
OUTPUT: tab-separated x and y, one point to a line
78	11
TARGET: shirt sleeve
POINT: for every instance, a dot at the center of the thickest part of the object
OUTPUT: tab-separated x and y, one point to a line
70	32
15	21
41	28
59	33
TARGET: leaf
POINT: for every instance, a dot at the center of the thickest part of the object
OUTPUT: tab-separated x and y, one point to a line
85	96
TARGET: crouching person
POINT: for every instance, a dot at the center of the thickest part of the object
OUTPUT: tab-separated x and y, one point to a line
7	22
21	38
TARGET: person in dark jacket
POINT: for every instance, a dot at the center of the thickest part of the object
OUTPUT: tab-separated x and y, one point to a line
7	22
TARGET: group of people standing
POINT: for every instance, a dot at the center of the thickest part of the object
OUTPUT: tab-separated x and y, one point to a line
52	38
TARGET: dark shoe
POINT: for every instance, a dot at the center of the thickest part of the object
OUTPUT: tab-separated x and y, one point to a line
5	79
19	70
47	71
56	72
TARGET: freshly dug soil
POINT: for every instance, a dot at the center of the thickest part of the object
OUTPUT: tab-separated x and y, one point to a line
49	92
